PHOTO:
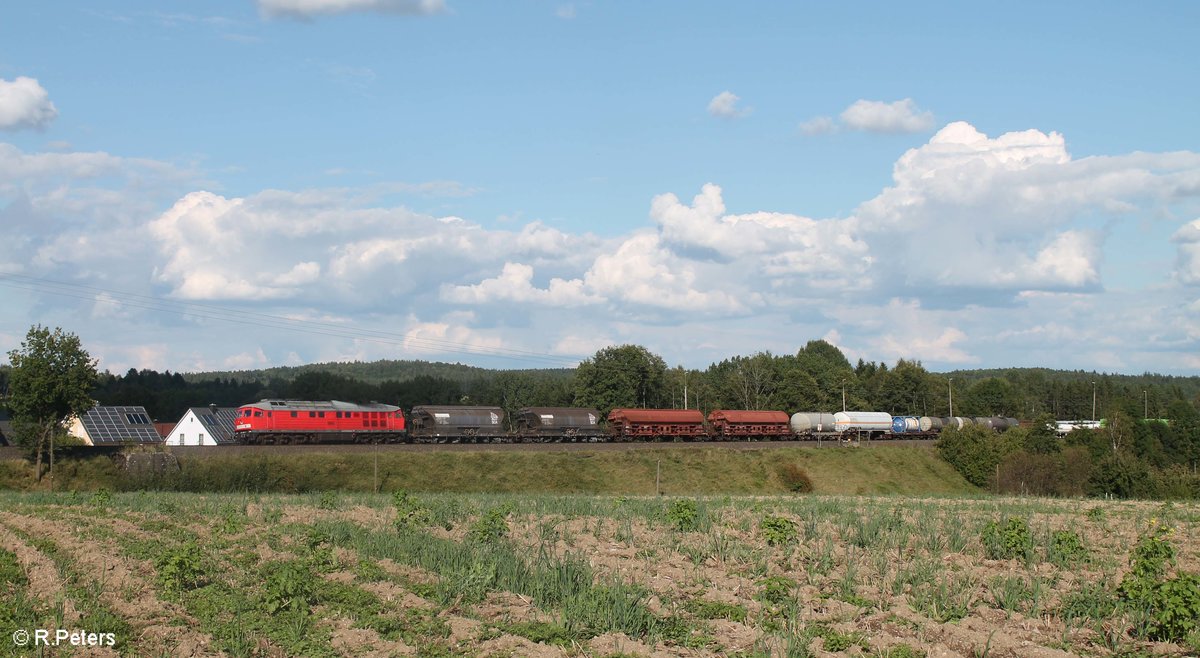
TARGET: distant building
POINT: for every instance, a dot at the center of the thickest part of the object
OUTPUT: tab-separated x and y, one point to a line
204	426
163	429
106	426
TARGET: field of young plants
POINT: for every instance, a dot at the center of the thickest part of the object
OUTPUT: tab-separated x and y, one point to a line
474	575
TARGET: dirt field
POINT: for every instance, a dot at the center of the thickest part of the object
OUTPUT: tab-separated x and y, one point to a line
458	575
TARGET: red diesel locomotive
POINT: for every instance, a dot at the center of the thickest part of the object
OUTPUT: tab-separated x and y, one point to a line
329	421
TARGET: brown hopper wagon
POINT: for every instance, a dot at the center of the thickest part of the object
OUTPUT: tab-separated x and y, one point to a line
732	425
656	424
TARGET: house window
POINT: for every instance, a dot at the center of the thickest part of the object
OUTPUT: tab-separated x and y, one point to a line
200	441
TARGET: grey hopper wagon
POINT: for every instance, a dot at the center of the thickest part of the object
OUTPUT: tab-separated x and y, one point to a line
457	424
553	424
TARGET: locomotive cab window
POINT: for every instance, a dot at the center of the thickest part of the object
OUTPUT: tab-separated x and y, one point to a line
295	414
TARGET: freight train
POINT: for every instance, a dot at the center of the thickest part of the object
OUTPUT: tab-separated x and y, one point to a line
302	421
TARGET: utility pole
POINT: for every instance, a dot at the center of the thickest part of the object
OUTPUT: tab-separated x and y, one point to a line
843	396
1145	405
950	386
1093	401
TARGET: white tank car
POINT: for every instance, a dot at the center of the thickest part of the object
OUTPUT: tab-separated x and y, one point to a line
873	422
812	422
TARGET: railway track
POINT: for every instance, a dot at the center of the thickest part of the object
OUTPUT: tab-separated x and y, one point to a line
199	451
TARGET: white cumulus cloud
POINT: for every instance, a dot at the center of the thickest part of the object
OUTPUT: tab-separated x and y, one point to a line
774	245
818	126
309	8
643	271
515	284
725	106
1187	260
452	332
24	103
901	116
980	246
1009	212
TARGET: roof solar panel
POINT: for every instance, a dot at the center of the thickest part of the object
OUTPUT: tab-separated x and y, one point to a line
112	425
219	424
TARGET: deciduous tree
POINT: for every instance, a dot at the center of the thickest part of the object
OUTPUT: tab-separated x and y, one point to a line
51	380
621	376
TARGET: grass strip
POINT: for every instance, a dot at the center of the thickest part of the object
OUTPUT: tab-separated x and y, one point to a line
95	616
18	610
470	570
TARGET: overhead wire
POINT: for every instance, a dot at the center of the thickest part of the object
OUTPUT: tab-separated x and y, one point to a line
207	311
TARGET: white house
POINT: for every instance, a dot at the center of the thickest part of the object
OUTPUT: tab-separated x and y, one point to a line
204	426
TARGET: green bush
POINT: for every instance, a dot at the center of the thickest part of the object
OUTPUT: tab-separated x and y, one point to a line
1171	605
1066	547
684	515
329	501
181	569
974	452
410	513
795	478
102	497
1012	540
777	530
491	527
716	610
542	632
287	586
11	572
1174	607
776	589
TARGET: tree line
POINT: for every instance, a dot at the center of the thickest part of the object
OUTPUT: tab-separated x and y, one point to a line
1128	458
817	377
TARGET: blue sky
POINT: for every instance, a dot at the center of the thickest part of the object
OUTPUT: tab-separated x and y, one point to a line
518	184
